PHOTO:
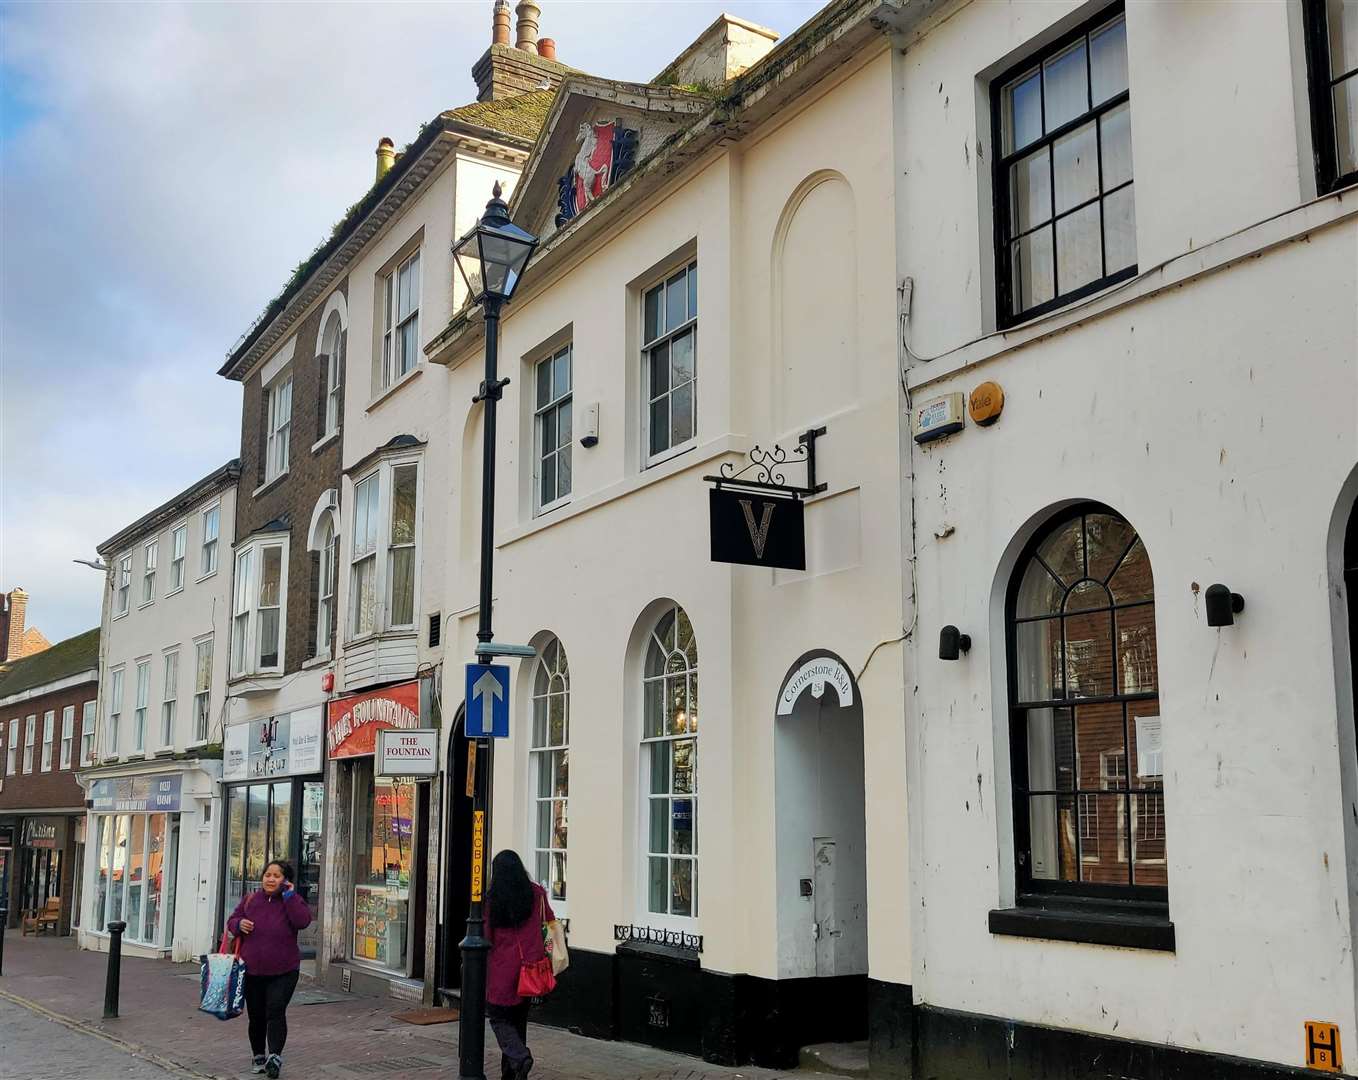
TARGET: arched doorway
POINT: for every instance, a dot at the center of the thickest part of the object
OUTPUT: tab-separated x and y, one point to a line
457	854
1351	591
820	821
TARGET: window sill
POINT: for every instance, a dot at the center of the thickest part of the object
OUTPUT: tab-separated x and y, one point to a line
146	604
204	577
316	662
164	752
670	454
409	377
324	441
173	592
269	484
197	744
1088	924
120	615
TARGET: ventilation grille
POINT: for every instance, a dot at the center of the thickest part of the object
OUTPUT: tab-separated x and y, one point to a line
435	629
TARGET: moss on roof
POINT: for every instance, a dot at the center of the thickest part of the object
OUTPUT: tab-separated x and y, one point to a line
65	658
520	117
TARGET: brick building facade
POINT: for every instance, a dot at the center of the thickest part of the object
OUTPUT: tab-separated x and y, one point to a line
47	713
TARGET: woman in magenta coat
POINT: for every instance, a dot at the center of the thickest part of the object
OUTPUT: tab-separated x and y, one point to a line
267	922
518	910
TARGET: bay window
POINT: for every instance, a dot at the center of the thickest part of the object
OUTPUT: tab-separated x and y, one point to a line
258	623
384	561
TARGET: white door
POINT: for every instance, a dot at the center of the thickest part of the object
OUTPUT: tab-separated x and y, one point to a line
827	928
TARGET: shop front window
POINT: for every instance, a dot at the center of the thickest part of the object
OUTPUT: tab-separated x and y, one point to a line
134	875
383	861
102	829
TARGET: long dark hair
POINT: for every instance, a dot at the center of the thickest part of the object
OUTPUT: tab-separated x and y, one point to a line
510	895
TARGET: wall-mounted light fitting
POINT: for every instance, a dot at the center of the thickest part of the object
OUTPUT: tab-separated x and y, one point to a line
1223	605
952	643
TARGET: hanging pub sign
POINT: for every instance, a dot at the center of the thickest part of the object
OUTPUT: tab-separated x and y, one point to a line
353	722
757	530
757	518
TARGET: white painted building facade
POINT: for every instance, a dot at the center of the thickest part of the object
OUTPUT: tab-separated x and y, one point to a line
152	828
1188	378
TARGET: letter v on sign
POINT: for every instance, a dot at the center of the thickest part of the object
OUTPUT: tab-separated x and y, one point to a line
759	537
487	701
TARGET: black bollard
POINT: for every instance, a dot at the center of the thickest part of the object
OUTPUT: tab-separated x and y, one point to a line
4	918
115	963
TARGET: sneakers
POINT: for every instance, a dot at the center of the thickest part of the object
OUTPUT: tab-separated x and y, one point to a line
257	1063
273	1066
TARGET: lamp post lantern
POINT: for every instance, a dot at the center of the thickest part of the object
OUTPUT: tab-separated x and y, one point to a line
490	258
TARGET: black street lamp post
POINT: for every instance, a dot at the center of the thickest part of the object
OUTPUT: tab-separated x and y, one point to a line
490	258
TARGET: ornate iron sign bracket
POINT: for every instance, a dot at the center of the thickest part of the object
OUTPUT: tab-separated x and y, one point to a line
768	468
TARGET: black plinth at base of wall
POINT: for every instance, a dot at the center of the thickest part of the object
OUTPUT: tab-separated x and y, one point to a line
963	1046
664	998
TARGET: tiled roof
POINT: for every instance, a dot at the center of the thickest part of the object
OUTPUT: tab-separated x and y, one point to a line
520	117
65	658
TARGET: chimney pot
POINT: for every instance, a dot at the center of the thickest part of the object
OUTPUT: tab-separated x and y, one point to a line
386	156
499	29
547	48
527	29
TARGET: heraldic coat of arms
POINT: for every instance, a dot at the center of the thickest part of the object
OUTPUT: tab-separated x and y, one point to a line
607	152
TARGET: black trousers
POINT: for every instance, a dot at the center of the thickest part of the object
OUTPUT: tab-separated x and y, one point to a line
266	1003
510	1024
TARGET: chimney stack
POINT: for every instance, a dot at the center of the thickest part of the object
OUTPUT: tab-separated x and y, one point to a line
547	48
386	156
16	609
527	30
499	28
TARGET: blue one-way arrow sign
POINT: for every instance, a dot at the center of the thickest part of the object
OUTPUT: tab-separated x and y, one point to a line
487	701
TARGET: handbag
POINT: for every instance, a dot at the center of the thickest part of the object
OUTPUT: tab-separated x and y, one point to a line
222	982
556	947
536	978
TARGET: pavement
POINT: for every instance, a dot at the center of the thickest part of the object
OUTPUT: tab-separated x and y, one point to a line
51	1028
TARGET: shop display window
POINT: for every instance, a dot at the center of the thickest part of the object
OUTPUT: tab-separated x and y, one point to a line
383	860
134	875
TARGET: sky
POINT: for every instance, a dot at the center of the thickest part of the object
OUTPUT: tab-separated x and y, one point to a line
163	168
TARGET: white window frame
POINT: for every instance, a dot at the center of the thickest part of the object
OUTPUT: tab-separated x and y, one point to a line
179	546
30	738
67	735
334	371
141	706
648	745
211	518
202	689
542	751
169	704
123	585
150	558
689	267
12	749
89	713
326	586
246	608
380	548
394	323
277	426
49	734
559	403
115	710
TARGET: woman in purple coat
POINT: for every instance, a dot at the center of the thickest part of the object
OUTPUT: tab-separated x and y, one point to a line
518	909
267	922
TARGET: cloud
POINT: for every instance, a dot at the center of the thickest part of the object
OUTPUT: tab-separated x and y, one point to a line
163	167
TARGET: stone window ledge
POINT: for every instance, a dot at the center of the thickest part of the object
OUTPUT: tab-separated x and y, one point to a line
1087	924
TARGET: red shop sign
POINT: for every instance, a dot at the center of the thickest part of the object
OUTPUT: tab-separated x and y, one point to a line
352	723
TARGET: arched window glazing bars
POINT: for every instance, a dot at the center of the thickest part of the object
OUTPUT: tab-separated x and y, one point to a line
1089	810
549	761
670	764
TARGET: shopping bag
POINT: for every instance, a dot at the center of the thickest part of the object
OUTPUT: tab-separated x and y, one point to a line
223	982
536	978
556	947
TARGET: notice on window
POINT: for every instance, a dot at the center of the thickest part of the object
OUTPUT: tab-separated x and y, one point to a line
1150	752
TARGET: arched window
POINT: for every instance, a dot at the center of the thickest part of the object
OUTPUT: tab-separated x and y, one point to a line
670	766
549	764
1085	714
325	587
333	374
